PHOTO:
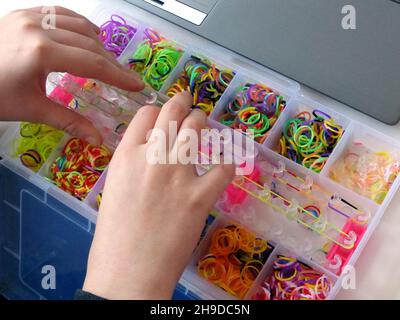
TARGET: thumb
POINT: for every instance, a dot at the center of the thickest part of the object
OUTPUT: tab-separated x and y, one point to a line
67	120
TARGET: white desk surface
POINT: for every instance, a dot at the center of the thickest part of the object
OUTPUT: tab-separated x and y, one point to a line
377	275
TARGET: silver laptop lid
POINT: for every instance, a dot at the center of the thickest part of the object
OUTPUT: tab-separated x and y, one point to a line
306	40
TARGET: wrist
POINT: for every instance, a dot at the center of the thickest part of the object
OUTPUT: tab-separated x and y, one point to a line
129	285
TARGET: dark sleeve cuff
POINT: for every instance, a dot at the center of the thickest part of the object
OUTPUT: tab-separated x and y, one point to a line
83	295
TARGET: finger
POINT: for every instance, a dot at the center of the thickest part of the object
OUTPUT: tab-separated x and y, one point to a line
141	124
64	119
61	11
87	64
172	115
77	25
196	120
189	136
214	182
76	40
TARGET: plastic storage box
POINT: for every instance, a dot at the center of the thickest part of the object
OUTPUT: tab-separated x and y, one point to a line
43	227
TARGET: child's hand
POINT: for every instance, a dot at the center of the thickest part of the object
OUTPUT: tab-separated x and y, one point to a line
28	53
151	216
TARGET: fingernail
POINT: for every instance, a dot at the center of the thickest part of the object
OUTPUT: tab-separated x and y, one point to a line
136	78
134	75
187	96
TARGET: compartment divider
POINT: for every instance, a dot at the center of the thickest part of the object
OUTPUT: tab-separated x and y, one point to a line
339	150
91	198
176	72
132	45
276	131
227	97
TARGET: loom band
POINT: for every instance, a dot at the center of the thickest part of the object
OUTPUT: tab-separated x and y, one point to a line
228	289
212	271
254	263
249	116
331	125
91	149
291	154
263	294
307	294
320	114
213	72
290	128
278	105
248	275
318	165
29	130
75	179
223	244
163	66
30	159
265	109
234	260
268	97
324	137
178	87
207	108
152	35
310	159
258	246
293	147
208	88
379	197
118	19
52	135
207	257
261	131
300	138
234	107
74	145
316	147
197	69
303	116
314	210
323	283
236	286
303	143
261	94
160	68
323	295
45	150
227	119
282	145
20	145
262	138
61	162
90	182
333	138
119	37
224	83
283	293
93	157
284	262
255	95
241	234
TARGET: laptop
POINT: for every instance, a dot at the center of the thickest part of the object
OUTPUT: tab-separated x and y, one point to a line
346	49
